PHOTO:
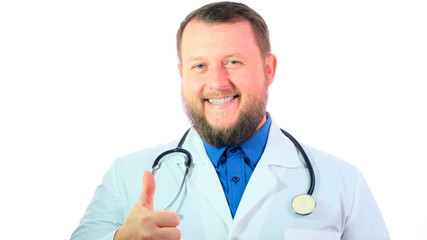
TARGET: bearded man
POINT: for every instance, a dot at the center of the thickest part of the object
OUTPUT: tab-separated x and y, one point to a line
244	172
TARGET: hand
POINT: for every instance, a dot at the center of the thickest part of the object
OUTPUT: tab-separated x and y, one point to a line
144	223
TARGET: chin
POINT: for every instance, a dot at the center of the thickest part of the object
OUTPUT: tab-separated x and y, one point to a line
222	124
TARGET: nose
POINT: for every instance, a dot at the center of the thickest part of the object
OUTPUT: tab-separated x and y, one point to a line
219	78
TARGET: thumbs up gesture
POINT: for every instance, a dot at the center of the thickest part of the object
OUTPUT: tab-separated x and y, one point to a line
144	223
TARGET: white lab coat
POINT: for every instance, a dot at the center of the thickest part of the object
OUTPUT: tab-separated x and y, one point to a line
345	206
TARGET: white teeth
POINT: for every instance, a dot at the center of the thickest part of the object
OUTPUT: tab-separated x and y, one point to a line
220	100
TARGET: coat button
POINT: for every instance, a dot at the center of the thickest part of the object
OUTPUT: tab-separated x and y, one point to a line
235	179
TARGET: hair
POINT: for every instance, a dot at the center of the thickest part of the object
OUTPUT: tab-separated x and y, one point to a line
229	12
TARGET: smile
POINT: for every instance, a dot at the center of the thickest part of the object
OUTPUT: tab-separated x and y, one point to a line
218	101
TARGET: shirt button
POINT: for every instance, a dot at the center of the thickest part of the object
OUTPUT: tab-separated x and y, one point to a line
233	150
235	179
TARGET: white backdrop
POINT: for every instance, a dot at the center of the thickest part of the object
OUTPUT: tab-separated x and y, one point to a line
83	82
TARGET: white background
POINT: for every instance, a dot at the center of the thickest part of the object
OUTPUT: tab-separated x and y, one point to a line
83	82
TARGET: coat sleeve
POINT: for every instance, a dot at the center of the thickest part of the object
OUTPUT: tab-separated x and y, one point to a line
104	214
365	220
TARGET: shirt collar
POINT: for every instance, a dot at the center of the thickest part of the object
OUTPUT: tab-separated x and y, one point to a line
253	147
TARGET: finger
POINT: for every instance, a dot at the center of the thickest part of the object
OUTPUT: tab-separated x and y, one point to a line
168	233
147	191
166	219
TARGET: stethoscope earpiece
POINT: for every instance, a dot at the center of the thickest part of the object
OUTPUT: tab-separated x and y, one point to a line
303	204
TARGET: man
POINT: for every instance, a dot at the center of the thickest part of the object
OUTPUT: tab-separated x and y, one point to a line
245	172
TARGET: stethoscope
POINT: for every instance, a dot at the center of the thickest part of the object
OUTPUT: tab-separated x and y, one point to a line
302	204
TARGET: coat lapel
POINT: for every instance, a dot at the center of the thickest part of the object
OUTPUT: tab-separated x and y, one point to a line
279	156
205	179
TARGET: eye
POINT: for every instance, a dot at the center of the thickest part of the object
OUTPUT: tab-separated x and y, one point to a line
199	66
233	63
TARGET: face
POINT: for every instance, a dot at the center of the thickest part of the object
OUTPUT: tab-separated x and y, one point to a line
224	80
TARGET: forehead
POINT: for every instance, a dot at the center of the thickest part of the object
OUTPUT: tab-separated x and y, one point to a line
203	38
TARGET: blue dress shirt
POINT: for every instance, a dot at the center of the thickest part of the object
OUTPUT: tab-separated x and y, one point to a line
235	164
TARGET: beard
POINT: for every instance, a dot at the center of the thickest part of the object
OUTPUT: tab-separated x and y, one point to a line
252	112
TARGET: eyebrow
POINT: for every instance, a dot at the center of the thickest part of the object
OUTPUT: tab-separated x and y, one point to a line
196	59
235	55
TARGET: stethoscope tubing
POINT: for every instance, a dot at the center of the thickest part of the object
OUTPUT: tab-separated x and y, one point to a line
306	160
178	149
189	161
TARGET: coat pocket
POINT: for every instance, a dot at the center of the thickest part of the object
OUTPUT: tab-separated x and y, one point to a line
307	234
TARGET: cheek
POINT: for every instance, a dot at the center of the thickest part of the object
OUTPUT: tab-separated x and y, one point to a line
192	87
190	92
250	87
249	79
254	92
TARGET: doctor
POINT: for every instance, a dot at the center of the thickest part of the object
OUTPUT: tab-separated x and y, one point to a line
245	172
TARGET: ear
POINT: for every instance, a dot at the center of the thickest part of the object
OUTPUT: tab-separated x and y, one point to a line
270	65
180	69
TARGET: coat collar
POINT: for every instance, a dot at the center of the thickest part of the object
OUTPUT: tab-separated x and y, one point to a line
279	150
204	178
270	175
279	156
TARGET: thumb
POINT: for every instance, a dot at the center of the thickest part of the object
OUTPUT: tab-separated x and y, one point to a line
147	192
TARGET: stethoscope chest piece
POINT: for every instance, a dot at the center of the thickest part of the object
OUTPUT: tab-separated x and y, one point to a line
303	204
